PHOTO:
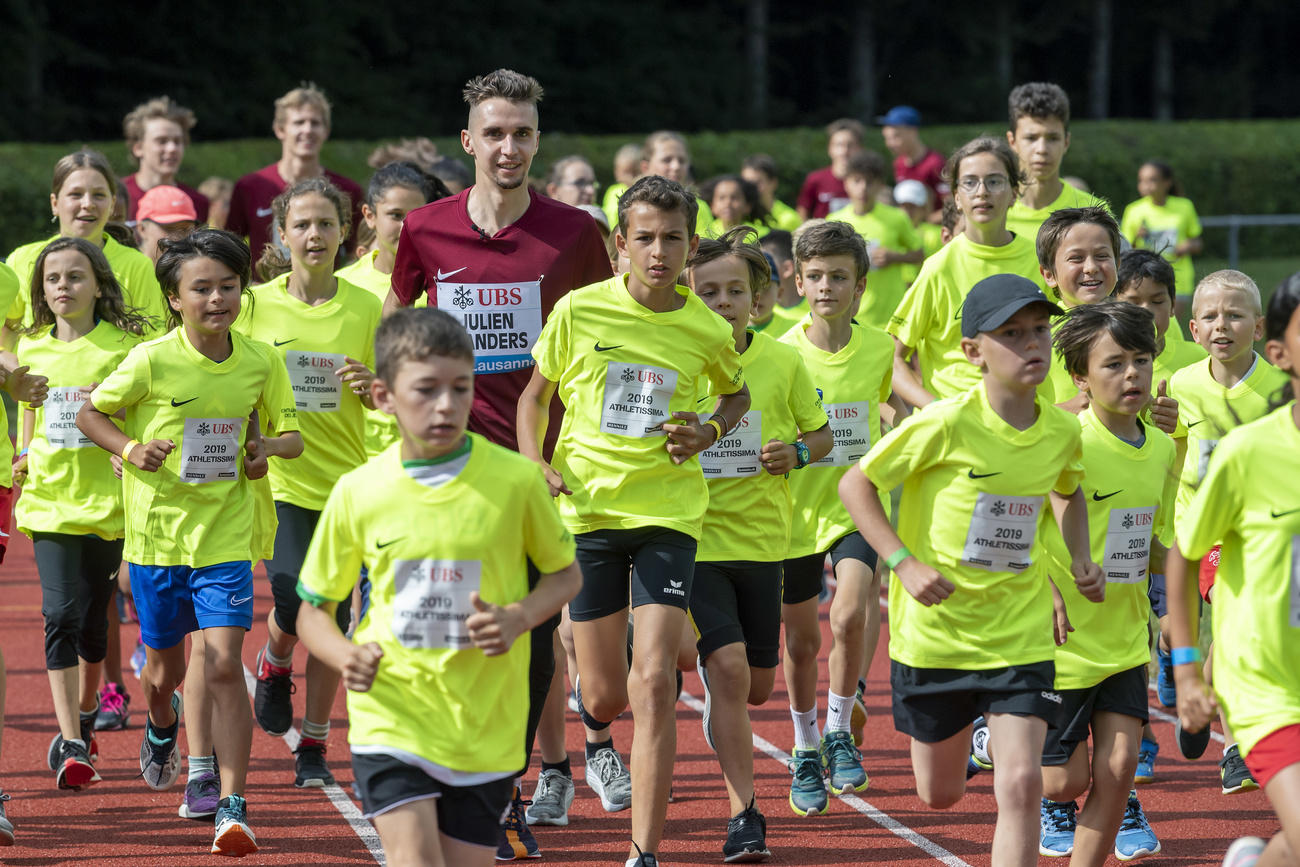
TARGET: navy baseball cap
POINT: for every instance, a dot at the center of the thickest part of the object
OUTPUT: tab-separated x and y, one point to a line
900	115
994	300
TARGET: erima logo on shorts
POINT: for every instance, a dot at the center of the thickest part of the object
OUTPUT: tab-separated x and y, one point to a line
675	588
1054	697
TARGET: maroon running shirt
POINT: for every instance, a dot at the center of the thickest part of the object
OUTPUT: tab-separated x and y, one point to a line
928	170
501	288
250	208
822	193
133	194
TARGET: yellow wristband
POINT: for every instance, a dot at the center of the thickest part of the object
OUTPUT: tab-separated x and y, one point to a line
717	427
126	449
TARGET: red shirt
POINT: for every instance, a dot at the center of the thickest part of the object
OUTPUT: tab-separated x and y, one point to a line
928	170
503	289
250	208
822	193
133	194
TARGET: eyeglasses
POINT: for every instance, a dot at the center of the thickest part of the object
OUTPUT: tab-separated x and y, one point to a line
993	184
583	183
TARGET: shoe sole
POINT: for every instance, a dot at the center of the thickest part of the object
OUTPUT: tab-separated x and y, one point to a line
77	775
185	812
850	789
610	806
234	842
1192	744
707	721
749	856
1244	786
810	812
118	726
1053	853
314	783
1142	781
1141	853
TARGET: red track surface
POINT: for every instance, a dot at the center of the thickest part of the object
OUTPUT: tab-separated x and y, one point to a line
121	822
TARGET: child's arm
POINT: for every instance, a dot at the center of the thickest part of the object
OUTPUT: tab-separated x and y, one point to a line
22	386
692	436
1072	517
20	462
494	628
1061	627
357	377
1164	409
894	410
100	430
1196	705
907	381
358	663
882	257
862	499
779	458
531	419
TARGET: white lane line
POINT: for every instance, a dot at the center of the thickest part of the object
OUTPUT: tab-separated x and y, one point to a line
339	798
875	814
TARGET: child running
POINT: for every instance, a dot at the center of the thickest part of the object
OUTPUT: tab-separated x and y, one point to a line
736	594
71	504
1256	597
851	367
189	508
629	357
969	608
435	764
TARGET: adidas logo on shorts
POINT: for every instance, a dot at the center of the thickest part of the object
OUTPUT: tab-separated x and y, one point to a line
1054	697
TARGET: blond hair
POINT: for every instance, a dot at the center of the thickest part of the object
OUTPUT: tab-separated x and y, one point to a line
1230	280
305	95
158	108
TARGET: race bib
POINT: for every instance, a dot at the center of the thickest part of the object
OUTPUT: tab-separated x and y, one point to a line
636	399
1001	534
316	387
738	453
1295	582
1206	448
431	602
210	450
61	407
851	428
503	320
1128	545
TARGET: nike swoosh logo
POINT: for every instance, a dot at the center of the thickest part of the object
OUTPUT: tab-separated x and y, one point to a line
283	342
1192	424
1099	496
382	545
183	402
235	600
975	475
1277	514
443	275
600	348
264	212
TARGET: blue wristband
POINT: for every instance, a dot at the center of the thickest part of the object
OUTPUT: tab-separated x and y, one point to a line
1184	655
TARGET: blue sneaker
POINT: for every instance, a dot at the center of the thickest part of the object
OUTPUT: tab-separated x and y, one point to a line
843	763
808	788
1146	769
1056	822
233	837
1135	838
1165	689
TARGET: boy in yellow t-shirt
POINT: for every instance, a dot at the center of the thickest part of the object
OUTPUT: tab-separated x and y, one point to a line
913	198
851	365
892	242
970	610
435	764
629	357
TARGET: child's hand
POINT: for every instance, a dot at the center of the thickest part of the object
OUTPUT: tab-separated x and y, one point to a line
116	461
361	666
555	481
778	457
27	387
493	628
925	584
356	376
1089	579
1164	409
150	456
879	257
689	438
20	470
255	463
1196	705
1076	404
1061	627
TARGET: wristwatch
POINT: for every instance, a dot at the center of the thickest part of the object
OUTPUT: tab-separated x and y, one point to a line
801	455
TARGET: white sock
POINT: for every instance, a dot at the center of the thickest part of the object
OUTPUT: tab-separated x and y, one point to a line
839	710
278	662
806	735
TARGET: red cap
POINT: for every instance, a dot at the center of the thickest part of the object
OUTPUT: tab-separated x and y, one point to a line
165	205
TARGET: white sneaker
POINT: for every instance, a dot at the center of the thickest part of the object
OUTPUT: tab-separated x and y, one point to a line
551	799
707	722
1244	852
160	763
610	779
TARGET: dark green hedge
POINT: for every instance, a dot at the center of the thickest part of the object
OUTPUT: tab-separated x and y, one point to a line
1225	166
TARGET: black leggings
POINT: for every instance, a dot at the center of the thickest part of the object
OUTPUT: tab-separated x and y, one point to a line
78	575
292	536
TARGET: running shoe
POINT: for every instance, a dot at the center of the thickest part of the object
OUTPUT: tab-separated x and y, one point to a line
6	827
1191	744
609	779
1056	823
138	659
551	799
516	841
708	703
202	795
1235	775
1166	692
114	708
1244	851
642	859
272	702
233	839
311	772
858	720
1135	838
74	769
843	763
746	837
1146	769
808	795
160	760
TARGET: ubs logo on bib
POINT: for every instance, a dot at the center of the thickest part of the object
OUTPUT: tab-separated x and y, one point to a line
503	320
845	412
323	361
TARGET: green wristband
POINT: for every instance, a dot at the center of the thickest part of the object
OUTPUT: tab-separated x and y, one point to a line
897	557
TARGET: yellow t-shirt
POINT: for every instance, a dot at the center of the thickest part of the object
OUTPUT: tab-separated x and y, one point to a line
929	317
622	370
8	292
784	318
1167	226
1208	411
1250	502
609	204
716	229
1025	221
70	485
852	384
888	227
973	504
427	548
311	342
749	509
931	240
132	269
197	509
784	217
1130	493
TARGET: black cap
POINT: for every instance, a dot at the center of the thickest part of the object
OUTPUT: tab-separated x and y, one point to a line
994	300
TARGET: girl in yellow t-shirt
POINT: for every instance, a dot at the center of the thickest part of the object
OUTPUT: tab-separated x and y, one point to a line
71	503
1166	222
